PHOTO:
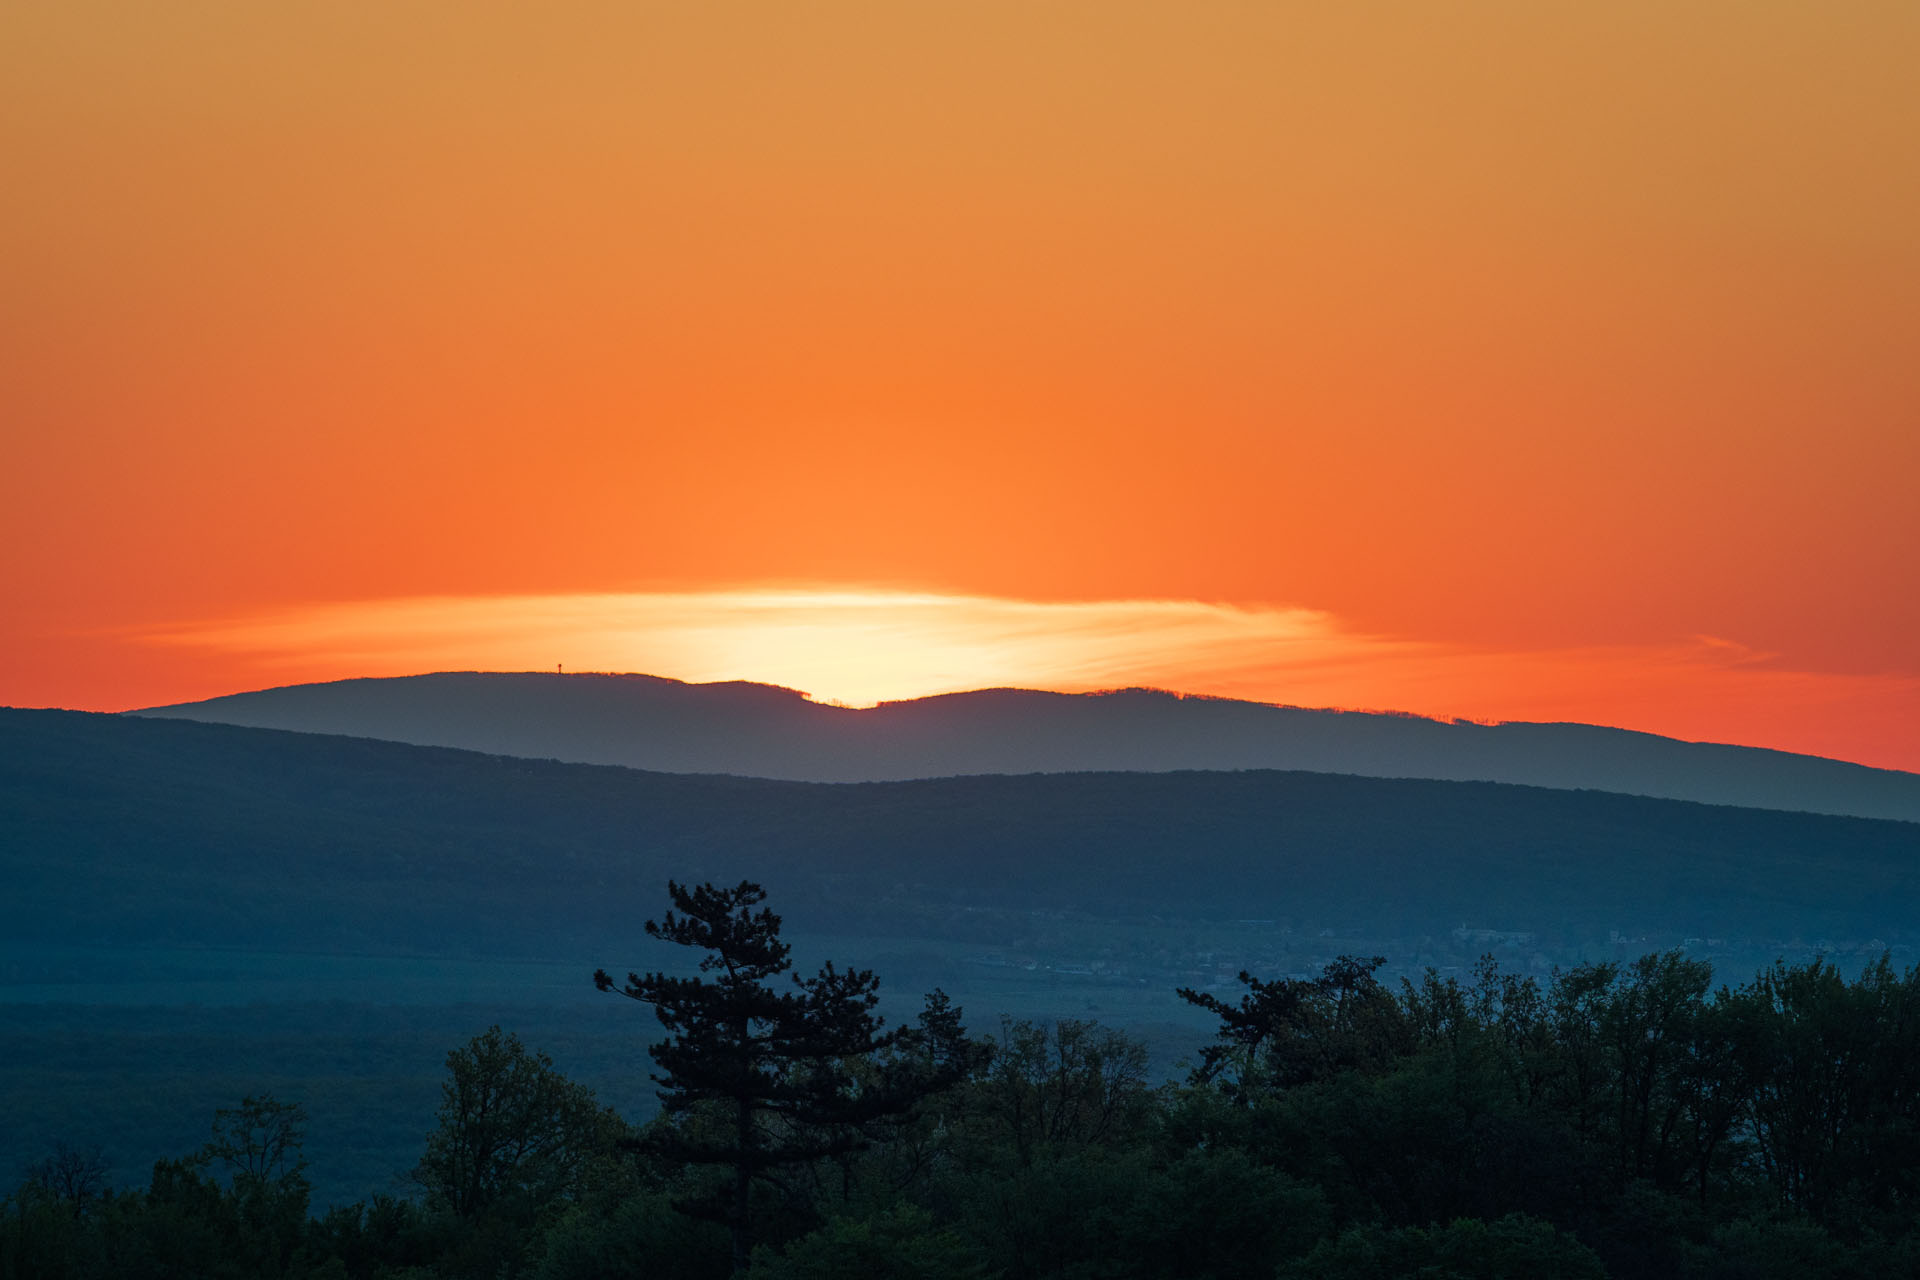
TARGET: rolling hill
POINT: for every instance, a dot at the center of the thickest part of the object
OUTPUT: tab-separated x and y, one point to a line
120	828
646	722
195	912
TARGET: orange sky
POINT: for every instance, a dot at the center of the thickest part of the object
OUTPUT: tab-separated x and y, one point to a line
1559	360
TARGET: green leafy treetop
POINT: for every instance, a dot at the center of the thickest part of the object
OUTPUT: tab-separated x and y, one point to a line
513	1134
753	1079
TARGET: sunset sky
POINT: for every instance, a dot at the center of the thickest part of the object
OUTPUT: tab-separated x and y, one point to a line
1510	360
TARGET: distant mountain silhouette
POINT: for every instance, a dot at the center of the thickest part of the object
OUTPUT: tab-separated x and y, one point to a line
761	731
154	832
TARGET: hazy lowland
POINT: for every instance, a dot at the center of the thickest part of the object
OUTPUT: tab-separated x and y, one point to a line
198	913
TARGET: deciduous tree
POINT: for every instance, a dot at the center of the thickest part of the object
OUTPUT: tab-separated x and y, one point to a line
511	1129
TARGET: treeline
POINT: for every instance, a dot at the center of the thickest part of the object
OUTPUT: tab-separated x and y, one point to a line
1615	1120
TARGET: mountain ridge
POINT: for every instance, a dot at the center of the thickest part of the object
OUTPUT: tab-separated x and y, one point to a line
756	730
121	828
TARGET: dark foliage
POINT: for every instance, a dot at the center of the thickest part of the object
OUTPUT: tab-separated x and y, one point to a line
1624	1120
755	1080
1292	1031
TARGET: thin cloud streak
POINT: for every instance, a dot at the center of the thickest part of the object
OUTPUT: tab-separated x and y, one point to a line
857	647
862	646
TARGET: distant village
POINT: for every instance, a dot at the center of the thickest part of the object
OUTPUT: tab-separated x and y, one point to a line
1220	951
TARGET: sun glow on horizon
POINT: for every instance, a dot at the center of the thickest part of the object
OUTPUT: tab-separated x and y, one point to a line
859	646
1473	360
853	646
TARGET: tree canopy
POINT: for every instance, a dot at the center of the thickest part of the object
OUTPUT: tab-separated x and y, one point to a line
755	1079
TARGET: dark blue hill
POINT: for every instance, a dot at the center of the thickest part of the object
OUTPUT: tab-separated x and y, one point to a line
646	722
163	832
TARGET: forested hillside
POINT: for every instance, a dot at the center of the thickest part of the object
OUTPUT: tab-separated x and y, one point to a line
176	832
354	910
1611	1120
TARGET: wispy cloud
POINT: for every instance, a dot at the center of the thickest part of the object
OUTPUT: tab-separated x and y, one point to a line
854	646
861	646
